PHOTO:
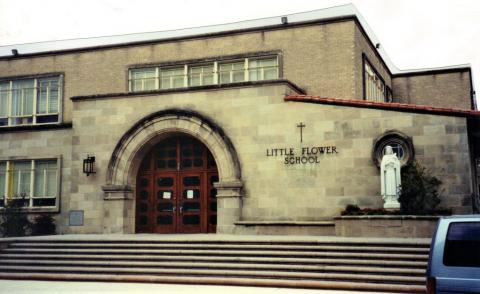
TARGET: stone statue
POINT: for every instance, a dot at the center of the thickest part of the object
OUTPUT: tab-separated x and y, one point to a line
390	179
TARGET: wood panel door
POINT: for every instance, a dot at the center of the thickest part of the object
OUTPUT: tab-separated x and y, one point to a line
175	192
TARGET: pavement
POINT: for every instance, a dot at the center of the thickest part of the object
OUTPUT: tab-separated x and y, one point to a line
44	287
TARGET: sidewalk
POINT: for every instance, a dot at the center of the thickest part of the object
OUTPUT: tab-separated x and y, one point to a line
42	287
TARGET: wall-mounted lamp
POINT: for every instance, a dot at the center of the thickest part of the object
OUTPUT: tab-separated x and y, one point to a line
284	20
88	165
377	45
14	52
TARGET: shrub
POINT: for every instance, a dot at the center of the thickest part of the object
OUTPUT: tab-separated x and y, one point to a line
419	190
14	220
351	209
44	225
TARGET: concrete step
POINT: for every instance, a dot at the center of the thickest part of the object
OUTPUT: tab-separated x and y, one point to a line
216	259
315	262
330	247
225	266
286	254
217	273
402	288
226	239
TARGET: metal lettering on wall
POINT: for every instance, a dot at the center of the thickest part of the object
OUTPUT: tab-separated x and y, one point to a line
302	155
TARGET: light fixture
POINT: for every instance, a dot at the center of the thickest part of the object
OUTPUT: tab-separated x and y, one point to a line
14	52
88	165
284	20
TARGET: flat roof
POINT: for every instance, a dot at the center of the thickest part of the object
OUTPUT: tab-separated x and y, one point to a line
331	13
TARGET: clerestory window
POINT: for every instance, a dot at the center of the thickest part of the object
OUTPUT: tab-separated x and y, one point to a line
215	72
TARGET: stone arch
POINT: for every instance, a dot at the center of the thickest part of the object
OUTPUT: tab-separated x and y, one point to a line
135	143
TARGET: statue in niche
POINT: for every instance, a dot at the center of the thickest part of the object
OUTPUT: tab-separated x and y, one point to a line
390	179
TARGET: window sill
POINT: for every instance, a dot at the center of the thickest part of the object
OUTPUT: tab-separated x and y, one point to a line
38	127
33	210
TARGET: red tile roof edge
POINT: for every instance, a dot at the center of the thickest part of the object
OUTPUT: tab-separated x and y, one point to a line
394	106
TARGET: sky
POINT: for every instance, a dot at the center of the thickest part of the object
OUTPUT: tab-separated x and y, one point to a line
414	33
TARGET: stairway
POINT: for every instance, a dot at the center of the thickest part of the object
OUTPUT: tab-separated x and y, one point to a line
392	265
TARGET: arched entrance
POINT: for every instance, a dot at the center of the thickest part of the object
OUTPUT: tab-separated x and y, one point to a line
175	192
125	165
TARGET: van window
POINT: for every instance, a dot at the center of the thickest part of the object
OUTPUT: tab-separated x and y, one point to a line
462	246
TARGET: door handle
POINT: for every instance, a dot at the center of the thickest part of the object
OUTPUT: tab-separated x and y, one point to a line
181	209
173	209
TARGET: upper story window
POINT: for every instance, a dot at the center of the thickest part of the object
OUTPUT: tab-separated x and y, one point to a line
30	101
34	183
216	72
201	75
263	69
172	77
231	72
375	87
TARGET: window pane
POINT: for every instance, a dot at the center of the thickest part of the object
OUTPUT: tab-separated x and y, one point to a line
172	78
231	72
48	95
21	178
22	97
4	92
45	178
201	75
374	86
263	69
3	167
42	100
143	79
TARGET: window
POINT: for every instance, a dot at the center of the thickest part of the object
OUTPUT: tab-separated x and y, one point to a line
193	75
30	101
143	79
32	182
401	144
172	78
201	75
375	88
397	148
462	245
232	72
263	69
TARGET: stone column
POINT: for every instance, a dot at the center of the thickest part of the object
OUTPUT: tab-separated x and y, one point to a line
229	205
119	210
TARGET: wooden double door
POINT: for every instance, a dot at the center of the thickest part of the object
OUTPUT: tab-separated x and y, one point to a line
175	192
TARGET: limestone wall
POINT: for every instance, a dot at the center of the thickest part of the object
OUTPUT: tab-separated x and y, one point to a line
45	144
257	119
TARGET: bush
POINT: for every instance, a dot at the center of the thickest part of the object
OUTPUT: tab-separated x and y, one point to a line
351	209
419	191
14	220
43	225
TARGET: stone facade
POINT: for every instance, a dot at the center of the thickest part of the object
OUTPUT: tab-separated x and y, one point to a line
272	190
274	177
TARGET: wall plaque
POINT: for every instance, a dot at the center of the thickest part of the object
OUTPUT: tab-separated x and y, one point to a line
75	218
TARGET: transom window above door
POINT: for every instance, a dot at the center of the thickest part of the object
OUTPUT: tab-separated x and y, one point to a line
202	74
179	153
